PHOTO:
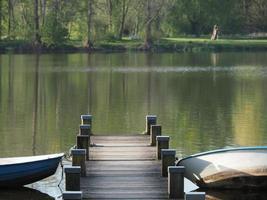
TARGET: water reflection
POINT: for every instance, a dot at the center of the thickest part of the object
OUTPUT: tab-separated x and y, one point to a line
23	194
204	100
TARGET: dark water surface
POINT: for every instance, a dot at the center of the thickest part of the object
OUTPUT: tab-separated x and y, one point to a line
204	101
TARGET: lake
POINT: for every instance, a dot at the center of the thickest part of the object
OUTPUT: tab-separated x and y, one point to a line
203	101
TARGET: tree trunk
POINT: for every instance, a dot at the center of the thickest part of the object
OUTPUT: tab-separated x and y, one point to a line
37	37
9	17
110	8
0	20
123	16
215	33
43	11
246	14
89	43
148	35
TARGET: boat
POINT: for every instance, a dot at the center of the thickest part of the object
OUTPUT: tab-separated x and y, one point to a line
19	171
217	194
233	168
23	193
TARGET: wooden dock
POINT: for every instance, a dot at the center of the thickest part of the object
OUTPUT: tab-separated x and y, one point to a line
123	167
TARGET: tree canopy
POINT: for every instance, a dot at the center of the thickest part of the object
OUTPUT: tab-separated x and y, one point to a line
52	22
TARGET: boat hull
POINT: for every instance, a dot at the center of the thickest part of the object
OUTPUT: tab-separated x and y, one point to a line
228	169
31	170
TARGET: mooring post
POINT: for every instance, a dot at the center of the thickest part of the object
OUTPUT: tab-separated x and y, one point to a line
155	131
176	181
162	143
86	119
150	120
195	196
168	159
72	180
82	142
78	159
72	195
85	129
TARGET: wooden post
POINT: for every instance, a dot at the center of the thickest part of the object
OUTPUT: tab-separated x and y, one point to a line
85	130
154	132
82	143
162	143
168	159
195	196
72	195
86	119
150	120
176	182
78	159
72	180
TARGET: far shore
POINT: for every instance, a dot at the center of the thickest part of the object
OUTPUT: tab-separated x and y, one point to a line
161	45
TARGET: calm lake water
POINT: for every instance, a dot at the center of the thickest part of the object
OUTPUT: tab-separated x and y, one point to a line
203	101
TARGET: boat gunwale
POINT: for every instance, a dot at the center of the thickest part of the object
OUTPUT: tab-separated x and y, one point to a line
222	151
40	158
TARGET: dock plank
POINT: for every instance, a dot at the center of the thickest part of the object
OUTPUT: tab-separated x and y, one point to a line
123	167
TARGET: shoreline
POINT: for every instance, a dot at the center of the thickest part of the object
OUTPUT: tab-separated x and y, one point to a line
160	46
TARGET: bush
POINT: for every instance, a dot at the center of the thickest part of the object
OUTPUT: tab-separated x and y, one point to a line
54	32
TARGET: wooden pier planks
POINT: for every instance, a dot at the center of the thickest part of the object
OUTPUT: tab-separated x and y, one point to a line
123	167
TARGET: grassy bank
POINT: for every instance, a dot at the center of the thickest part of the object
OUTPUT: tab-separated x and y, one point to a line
162	45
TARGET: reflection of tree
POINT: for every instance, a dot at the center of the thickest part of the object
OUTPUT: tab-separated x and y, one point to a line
10	82
1	64
248	113
148	60
214	57
35	104
90	85
198	114
203	110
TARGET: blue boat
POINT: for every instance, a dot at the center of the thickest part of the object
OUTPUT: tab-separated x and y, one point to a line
234	168
19	171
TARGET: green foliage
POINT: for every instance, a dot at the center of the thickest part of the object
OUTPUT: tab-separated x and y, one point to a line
53	31
61	21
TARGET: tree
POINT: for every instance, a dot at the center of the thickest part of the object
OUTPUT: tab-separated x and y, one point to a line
54	30
1	5
37	36
43	11
257	15
148	35
109	4
124	11
152	11
89	41
10	16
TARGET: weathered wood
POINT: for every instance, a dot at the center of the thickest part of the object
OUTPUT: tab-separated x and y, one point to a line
195	196
86	119
176	181
82	142
162	143
85	129
154	132
123	167
72	178
72	195
150	120
78	159
122	153
168	159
